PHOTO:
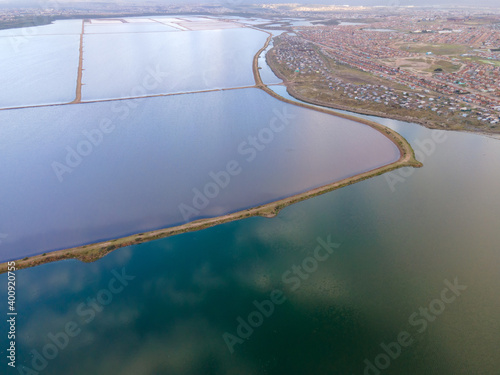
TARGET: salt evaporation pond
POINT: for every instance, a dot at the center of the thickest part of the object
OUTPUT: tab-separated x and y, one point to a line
184	61
158	151
41	69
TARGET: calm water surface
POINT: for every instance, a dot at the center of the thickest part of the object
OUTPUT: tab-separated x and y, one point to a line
400	237
28	75
141	64
159	154
397	248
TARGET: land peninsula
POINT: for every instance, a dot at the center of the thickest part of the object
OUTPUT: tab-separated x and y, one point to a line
95	251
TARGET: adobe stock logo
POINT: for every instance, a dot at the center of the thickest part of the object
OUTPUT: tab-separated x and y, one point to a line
30	31
87	311
293	279
419	321
424	149
121	109
248	150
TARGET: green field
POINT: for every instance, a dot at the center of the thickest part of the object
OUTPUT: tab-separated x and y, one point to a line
492	62
478	59
447	66
437	49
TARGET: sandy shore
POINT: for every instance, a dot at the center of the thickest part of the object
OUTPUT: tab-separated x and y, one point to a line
93	252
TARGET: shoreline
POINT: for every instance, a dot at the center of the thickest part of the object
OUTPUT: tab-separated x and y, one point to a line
429	124
93	252
415	120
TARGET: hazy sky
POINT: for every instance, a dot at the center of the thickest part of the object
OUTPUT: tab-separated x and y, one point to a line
488	3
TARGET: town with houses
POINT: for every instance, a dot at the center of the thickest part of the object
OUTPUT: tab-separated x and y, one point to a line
449	67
